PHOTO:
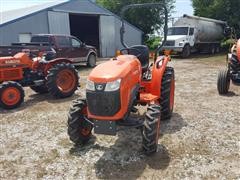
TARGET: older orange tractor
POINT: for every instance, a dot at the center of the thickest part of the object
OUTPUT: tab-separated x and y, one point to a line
231	72
58	77
115	88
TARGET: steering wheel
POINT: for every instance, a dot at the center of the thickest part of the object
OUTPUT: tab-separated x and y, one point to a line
131	48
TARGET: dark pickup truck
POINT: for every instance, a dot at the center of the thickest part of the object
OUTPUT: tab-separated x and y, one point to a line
57	46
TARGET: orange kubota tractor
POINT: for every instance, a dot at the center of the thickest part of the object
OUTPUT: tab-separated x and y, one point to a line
232	72
58	77
116	87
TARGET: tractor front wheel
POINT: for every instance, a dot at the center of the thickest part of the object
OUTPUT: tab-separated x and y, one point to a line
62	80
11	95
79	129
167	93
151	128
223	82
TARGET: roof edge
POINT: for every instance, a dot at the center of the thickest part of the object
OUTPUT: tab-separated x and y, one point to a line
113	14
28	15
60	4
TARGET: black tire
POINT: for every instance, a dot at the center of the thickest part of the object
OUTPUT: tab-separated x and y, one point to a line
212	50
40	89
223	82
150	130
186	51
217	49
77	122
91	61
52	79
166	90
18	88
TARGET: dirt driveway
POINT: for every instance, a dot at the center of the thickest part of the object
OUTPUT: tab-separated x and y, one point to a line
201	141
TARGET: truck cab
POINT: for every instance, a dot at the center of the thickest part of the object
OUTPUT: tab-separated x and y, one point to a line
195	34
68	47
179	38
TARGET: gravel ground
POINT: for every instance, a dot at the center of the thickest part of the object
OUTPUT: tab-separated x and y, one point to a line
201	141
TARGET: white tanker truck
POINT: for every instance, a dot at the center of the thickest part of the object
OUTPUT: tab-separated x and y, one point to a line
195	34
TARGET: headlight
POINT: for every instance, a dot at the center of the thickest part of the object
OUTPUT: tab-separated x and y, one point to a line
113	86
229	56
90	85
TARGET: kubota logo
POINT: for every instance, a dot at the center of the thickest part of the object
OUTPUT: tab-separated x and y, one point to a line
13	61
99	87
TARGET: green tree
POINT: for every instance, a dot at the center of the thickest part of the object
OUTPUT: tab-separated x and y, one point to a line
146	19
226	10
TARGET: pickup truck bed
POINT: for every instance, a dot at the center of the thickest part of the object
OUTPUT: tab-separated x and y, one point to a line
19	47
63	46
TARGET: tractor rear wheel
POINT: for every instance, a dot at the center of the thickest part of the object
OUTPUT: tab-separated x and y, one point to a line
40	89
79	129
151	128
167	93
62	80
11	95
223	82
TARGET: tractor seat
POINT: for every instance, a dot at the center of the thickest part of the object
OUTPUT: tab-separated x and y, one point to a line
143	58
49	55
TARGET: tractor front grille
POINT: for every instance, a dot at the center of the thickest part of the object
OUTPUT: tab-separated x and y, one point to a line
169	43
10	74
101	103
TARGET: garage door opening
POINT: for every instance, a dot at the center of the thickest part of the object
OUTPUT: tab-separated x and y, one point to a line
86	28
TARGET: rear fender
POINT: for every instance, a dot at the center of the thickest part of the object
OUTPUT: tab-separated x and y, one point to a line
238	50
157	74
53	62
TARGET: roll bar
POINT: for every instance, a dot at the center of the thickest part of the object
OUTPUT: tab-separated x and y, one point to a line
152	5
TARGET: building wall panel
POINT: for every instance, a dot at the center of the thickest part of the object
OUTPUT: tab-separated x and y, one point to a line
35	24
132	36
82	6
58	23
107	36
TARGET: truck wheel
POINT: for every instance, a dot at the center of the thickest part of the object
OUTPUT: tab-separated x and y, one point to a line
91	62
212	50
167	93
151	128
40	89
79	129
12	95
223	82
62	80
217	49
186	51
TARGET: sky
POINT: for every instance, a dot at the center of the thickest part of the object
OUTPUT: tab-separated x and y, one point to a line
182	6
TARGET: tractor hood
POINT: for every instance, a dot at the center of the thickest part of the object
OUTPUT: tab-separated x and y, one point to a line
8	60
19	59
116	68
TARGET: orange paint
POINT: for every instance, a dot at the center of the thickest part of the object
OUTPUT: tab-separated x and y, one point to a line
238	49
66	80
11	96
11	68
128	69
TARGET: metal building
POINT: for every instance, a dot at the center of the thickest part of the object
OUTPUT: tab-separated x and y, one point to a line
84	19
